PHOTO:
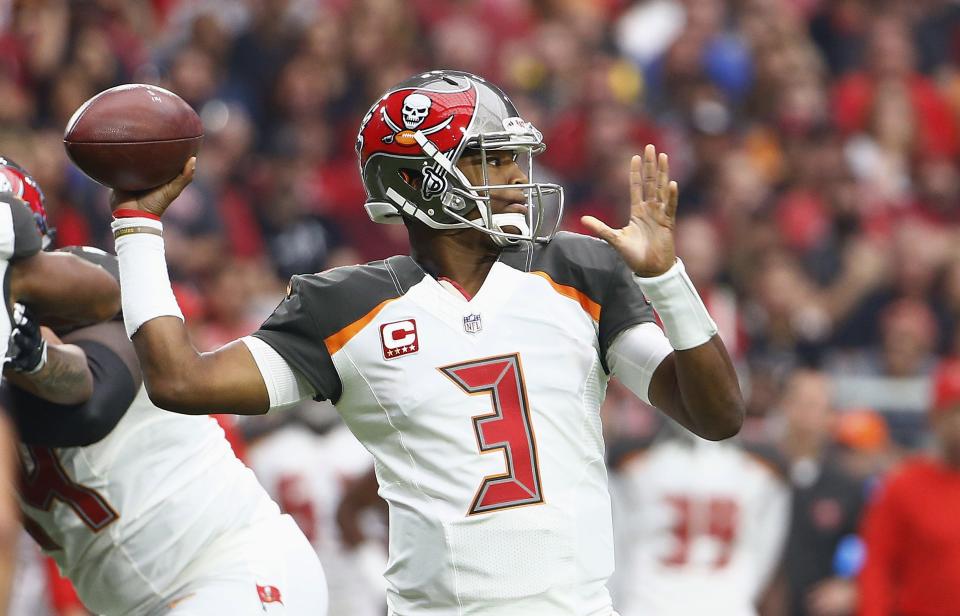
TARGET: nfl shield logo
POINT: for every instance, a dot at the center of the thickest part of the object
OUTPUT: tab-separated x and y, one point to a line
472	324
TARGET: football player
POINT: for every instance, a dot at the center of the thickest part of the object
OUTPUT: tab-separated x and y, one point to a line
51	284
149	512
473	369
691	514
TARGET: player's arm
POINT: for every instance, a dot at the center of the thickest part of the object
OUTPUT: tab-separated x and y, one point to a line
695	384
111	363
59	288
242	377
40	364
181	379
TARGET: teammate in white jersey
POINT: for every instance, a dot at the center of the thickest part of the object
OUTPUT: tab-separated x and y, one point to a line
50	284
700	528
149	512
473	370
306	473
55	286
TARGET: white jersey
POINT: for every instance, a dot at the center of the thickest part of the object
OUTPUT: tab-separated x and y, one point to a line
305	473
482	416
124	517
700	529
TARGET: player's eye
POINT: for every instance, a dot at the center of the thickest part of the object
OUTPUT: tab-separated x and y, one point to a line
501	158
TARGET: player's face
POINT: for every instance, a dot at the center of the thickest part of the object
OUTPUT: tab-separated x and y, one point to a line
501	168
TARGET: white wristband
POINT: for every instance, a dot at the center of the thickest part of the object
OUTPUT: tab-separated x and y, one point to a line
145	291
685	319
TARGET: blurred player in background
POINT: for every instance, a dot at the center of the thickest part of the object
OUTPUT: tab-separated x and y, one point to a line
50	284
700	528
149	512
38	588
493	318
306	468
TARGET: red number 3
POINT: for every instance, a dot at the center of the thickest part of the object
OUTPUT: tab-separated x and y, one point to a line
507	429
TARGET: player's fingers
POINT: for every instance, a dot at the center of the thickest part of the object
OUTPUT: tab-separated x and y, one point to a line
663	178
180	182
599	228
673	198
649	173
636	181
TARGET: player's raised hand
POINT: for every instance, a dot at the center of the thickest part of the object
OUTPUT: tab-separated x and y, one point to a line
155	201
646	244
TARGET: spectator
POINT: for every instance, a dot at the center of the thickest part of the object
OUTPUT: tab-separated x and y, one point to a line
826	500
911	532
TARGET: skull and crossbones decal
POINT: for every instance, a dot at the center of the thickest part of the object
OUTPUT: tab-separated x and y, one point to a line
416	108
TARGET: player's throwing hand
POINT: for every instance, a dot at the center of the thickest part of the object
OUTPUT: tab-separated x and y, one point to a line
155	201
646	243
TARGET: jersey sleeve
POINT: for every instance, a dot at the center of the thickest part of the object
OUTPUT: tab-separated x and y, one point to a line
320	306
635	355
596	271
19	236
623	305
293	332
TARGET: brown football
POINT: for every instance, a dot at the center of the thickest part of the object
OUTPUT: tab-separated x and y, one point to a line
133	137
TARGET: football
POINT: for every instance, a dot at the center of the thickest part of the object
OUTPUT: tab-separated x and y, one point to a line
133	137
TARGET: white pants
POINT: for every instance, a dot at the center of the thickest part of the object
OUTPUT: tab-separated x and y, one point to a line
268	569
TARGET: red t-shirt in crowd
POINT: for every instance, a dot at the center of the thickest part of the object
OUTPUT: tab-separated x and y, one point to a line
912	536
936	128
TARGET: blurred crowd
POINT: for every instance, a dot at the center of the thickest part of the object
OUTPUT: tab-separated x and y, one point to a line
816	144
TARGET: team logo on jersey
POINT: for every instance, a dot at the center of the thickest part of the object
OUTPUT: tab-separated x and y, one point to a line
472	324
399	338
269	594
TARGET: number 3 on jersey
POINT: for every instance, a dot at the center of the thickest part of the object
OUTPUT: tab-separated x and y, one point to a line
507	429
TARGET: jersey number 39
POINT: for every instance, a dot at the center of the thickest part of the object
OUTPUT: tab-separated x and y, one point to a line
507	429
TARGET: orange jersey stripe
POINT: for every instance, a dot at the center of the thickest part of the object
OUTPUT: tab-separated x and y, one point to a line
336	341
589	306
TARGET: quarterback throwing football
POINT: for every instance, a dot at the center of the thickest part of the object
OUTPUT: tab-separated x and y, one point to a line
474	368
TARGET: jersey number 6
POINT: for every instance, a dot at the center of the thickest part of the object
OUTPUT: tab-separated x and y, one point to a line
506	429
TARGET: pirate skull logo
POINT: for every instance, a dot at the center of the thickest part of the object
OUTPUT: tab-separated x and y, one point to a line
415	109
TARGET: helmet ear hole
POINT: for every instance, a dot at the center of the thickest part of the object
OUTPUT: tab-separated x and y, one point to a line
411	177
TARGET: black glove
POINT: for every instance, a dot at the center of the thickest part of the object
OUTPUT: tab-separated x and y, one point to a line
27	352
